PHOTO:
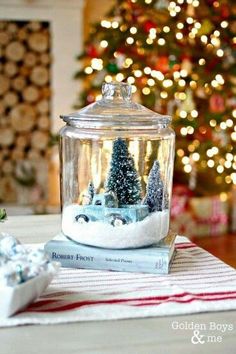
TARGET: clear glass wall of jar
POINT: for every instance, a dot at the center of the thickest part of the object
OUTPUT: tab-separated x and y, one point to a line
116	172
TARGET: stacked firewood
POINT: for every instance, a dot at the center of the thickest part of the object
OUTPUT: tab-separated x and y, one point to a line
24	98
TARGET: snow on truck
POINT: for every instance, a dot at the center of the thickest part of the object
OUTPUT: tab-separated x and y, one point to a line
105	208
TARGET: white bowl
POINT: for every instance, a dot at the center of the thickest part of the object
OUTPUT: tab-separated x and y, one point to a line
14	299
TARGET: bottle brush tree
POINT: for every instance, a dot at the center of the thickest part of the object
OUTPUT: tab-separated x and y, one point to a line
154	195
123	178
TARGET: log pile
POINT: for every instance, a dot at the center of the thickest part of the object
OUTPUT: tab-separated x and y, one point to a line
24	98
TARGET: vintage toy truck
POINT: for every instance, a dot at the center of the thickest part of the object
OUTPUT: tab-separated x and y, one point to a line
105	208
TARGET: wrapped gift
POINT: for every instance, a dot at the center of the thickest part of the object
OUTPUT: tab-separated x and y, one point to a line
183	224
233	209
210	215
198	216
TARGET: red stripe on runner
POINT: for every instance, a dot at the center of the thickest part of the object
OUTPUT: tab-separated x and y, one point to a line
187	301
189	245
70	306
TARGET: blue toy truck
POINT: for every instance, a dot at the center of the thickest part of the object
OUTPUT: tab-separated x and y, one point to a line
105	208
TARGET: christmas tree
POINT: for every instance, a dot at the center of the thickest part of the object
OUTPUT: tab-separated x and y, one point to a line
91	191
179	57
123	179
154	195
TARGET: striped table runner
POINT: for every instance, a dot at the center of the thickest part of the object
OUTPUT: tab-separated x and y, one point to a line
198	282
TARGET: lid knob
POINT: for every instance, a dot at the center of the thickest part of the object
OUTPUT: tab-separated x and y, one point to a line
118	91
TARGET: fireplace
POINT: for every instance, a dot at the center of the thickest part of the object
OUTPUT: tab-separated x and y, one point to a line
39	41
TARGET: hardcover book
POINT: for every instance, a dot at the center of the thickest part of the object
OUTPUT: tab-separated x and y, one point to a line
153	259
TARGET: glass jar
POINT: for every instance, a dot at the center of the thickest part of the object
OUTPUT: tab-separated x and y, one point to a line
116	172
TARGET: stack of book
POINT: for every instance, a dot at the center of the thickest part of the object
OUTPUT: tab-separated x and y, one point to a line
153	259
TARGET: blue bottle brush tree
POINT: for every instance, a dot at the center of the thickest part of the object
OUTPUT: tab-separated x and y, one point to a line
155	187
123	178
91	191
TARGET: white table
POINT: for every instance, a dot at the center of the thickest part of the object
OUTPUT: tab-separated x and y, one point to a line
147	336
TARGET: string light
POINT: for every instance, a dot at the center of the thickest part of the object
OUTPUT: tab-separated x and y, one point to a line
216	33
223	125
185	160
183	73
183	114
210	163
161	41
108	78
146	90
194	113
215	41
128	62
220	79
149	41
131	80
130	40
214	84
180	152
229	123
158	75
115	24
196	156
181	95
220	169
147	70
182	83
183	131
180	25
138	73
133	30
187	168
224	24
179	35
166	29
197	25
204	39
106	24
195	3
219	52
189	20
150	82
88	70
167	83
233	177
176	75
212	122
233	136
228	164
98	97
97	64
164	94
103	44
119	77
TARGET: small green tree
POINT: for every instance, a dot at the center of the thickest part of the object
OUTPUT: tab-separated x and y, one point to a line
123	178
154	195
91	191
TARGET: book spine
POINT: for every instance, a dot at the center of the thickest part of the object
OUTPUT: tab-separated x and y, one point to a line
71	258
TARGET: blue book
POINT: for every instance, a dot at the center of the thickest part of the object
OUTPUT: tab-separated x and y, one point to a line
153	259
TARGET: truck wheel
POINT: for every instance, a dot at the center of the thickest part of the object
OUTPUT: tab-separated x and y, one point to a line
118	221
82	218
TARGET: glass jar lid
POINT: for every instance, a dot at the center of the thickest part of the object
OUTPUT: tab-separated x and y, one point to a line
116	109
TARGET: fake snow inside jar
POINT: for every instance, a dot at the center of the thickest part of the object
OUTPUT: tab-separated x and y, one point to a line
116	172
